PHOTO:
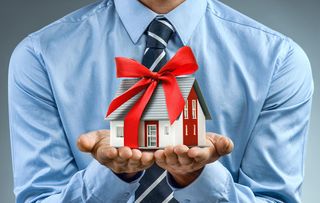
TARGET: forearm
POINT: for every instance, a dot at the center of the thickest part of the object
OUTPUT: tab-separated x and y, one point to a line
94	184
215	184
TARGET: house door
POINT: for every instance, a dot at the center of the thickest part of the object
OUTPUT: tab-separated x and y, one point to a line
190	120
151	133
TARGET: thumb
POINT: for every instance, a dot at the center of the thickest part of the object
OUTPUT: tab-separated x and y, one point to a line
87	142
224	145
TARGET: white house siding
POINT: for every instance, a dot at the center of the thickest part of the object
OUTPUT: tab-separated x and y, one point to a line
165	140
114	140
178	132
201	126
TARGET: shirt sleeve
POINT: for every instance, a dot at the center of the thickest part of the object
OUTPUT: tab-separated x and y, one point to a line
272	168
43	164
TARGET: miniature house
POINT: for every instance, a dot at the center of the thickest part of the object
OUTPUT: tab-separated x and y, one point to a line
155	130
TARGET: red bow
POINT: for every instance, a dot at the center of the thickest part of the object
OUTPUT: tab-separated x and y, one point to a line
182	63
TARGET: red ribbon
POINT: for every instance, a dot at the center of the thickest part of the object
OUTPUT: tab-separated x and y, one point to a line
183	63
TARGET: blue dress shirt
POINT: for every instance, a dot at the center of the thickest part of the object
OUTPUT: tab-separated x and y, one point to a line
257	84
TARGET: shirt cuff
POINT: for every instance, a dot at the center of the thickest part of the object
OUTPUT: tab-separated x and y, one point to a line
210	186
106	186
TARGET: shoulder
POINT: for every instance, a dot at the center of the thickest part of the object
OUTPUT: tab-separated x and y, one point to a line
74	26
286	61
245	33
35	48
253	34
234	19
80	16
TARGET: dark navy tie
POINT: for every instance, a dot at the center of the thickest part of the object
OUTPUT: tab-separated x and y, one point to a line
153	185
158	35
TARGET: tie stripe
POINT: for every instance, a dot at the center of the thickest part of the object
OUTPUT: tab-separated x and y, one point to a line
151	34
149	177
159	194
151	56
159	33
145	51
158	60
153	185
167	24
168	198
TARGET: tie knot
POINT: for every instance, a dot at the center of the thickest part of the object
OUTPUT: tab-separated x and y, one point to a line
159	33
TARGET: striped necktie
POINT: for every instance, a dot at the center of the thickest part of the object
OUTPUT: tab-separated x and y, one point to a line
153	185
158	35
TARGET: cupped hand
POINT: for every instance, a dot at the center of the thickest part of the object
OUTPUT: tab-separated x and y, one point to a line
123	160
186	164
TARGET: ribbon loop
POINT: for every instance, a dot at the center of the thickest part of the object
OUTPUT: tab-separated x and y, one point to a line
183	63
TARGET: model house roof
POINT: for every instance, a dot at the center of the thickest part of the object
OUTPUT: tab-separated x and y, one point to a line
156	108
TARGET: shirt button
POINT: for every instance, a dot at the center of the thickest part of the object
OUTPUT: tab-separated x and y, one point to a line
126	194
187	200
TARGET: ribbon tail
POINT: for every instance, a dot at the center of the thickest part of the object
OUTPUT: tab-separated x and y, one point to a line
131	92
132	119
174	99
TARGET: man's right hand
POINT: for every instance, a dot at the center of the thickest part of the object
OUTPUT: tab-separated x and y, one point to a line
125	161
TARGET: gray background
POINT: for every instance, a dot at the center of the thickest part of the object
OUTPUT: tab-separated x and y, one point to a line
295	18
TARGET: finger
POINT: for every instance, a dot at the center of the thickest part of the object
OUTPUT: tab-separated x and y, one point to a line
223	145
160	157
134	161
212	138
171	157
87	141
193	152
205	154
136	155
105	154
147	159
182	153
124	153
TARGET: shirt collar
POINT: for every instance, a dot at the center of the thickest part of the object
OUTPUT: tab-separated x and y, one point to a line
136	17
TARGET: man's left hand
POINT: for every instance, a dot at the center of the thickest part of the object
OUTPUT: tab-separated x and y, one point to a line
185	164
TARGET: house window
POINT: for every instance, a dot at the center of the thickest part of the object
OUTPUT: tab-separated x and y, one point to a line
152	135
186	129
166	130
119	131
194	129
194	109
186	110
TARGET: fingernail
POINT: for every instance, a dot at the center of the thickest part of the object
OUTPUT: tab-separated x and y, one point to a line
228	146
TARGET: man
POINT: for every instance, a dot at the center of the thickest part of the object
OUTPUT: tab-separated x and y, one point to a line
257	84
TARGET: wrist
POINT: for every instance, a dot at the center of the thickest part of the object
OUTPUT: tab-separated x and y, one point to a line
128	177
185	179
